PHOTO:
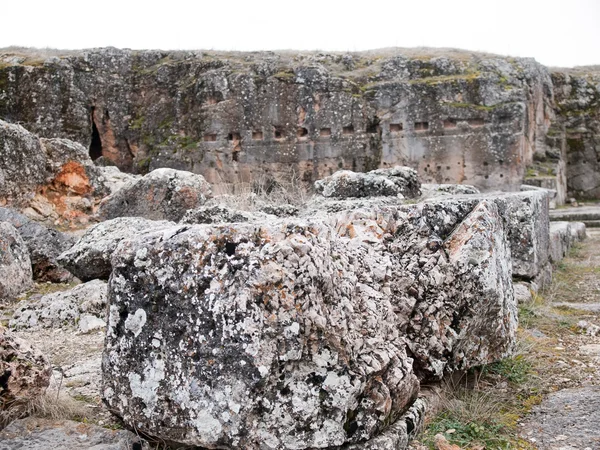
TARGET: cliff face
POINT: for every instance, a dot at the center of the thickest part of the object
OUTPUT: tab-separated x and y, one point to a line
576	131
456	117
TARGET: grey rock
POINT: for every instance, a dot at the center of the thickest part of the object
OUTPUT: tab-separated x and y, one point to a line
46	434
90	257
292	333
113	179
572	214
553	429
522	293
44	245
15	264
24	371
162	194
394	182
219	214
578	232
560	240
434	190
63	309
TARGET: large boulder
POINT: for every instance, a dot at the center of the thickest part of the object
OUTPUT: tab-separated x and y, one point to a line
161	194
22	162
90	257
46	434
292	333
24	372
44	244
396	181
216	213
75	307
15	265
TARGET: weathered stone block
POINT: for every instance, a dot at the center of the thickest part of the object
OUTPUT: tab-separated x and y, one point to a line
15	265
162	194
90	257
293	333
560	240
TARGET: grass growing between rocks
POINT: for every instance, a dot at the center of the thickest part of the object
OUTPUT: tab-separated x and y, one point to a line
487	408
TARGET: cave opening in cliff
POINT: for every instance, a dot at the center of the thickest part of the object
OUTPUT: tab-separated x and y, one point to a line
96	144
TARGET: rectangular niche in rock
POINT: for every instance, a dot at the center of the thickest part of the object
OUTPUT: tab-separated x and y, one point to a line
395	127
450	123
210	137
325	132
421	126
302	134
348	130
476	122
257	135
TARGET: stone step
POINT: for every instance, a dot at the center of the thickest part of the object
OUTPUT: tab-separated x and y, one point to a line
577	214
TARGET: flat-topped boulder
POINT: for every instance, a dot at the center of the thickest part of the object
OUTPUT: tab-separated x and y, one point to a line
293	333
163	194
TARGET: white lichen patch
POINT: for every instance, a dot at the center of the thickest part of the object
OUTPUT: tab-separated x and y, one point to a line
136	322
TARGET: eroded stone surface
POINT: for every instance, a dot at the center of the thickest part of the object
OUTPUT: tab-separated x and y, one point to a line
394	182
24	371
90	257
45	434
15	264
162	194
64	309
293	333
44	245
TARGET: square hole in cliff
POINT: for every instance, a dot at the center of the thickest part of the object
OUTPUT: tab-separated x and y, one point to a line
348	130
210	137
302	134
395	127
325	132
257	135
421	126
476	122
278	134
450	123
234	137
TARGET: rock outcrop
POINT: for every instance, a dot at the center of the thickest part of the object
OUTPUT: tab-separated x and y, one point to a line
44	245
293	333
15	264
78	307
455	116
24	372
163	194
90	257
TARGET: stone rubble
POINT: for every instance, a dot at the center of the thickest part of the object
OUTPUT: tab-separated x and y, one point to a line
16	275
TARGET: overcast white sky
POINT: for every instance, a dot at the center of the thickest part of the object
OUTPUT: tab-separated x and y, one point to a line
558	33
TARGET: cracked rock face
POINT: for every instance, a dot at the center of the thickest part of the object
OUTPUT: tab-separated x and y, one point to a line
63	309
162	194
15	264
302	333
44	245
90	257
394	182
24	372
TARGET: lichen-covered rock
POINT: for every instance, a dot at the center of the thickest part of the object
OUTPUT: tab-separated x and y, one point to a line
15	264
397	181
292	333
162	194
436	190
24	372
219	214
578	232
113	179
45	434
44	245
63	309
90	257
22	162
560	240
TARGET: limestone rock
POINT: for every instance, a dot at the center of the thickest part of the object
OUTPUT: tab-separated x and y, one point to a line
44	245
162	194
522	293
578	232
63	309
45	434
394	182
219	214
113	179
22	162
435	190
15	265
560	240
90	257
24	371
293	332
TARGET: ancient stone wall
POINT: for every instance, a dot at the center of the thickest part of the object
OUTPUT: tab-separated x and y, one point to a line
457	117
